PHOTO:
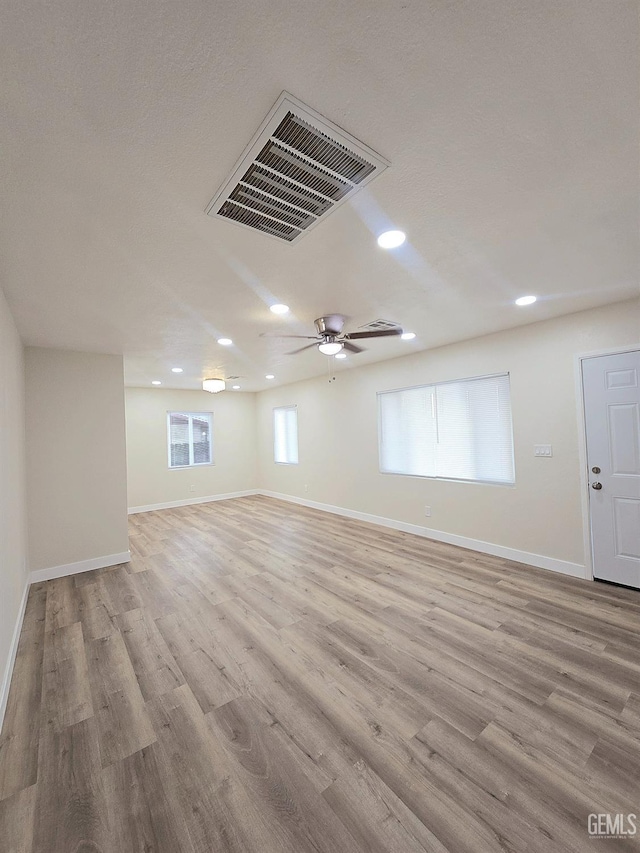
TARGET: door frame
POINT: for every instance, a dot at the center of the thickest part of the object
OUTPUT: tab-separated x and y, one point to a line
582	448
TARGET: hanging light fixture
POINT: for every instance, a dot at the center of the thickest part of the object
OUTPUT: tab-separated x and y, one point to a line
213	385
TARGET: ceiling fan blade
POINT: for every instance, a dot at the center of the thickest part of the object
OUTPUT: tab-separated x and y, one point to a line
379	333
302	337
296	351
352	347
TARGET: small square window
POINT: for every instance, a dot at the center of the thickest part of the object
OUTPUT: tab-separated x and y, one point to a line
190	439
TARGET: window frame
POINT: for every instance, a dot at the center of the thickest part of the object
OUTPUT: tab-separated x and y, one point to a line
484	482
291	407
190	416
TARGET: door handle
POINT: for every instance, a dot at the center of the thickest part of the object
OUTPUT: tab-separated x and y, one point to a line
596	486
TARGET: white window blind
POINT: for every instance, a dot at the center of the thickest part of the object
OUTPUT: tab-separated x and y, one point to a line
285	435
455	430
190	438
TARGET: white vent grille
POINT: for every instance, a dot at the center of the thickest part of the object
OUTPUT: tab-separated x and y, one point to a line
298	168
376	325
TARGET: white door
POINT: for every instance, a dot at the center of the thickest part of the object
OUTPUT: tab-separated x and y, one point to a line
611	386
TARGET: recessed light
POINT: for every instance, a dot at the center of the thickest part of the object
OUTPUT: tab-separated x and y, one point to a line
225	342
407	336
526	300
176	370
235	387
391	239
340	355
156	382
269	376
279	309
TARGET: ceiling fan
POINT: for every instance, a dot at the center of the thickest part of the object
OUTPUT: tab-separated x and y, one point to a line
331	339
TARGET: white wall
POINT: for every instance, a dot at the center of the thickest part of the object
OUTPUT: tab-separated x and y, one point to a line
152	482
76	459
542	515
13	547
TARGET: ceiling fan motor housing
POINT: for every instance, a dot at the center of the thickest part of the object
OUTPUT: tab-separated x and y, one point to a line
332	324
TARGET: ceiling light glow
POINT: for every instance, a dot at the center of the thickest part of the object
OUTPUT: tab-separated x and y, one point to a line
235	387
156	382
176	370
340	355
526	300
407	336
225	342
279	309
330	347
269	376
213	385
391	239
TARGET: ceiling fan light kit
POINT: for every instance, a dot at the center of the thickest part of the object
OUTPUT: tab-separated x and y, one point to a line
330	347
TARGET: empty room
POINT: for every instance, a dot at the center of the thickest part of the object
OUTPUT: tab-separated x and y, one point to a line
320	426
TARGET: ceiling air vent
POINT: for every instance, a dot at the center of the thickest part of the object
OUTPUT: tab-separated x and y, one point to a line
377	325
298	168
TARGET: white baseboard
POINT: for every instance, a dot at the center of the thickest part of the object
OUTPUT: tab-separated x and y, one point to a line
209	499
82	566
46	575
13	651
538	560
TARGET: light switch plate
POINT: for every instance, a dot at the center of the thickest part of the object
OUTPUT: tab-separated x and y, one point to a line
542	450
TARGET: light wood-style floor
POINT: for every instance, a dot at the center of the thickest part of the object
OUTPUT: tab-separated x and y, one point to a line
266	678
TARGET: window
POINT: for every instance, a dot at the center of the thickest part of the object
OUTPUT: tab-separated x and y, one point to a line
285	435
190	439
454	430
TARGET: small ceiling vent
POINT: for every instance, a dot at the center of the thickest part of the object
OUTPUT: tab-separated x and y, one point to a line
377	325
298	168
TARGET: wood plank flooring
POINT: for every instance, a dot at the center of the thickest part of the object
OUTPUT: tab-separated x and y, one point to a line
264	678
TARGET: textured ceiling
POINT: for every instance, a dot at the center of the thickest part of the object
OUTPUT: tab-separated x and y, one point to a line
511	127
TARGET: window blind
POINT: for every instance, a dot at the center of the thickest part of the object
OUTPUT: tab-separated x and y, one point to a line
458	430
285	435
189	439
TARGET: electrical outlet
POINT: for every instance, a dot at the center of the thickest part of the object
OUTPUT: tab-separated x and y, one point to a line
192	488
427	511
306	487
